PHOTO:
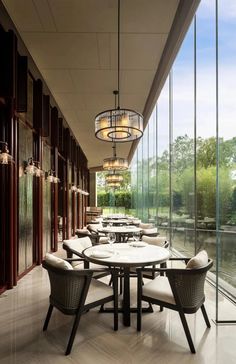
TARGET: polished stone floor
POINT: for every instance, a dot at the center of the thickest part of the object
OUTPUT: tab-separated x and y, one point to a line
23	309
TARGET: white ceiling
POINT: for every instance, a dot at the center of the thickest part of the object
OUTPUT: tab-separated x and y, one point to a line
74	45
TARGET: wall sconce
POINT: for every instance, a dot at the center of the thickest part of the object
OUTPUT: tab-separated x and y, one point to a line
33	168
5	157
85	193
74	189
51	177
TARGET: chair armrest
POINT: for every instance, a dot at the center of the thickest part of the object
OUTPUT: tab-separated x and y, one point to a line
139	270
180	259
177	271
101	270
74	259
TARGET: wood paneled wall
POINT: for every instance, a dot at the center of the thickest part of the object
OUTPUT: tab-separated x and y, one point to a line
34	128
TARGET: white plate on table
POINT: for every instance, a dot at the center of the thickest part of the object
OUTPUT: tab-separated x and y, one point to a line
101	254
138	244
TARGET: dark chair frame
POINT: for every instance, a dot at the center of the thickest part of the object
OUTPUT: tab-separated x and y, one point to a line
69	254
93	237
65	288
174	275
154	274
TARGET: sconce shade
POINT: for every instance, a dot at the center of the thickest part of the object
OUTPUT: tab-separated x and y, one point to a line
5	157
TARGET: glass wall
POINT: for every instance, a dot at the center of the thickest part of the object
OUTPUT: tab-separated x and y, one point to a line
163	161
190	145
152	170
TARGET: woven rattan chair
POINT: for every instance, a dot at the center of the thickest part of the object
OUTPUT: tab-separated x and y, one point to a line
159	241
100	238
74	292
153	231
156	240
83	233
181	290
74	248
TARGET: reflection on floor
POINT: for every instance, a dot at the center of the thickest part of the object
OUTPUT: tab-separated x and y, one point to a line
162	340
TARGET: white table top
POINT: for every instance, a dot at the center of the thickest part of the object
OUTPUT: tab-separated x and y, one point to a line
116	221
120	229
124	254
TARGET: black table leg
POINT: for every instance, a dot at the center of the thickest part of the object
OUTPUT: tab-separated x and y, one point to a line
126	297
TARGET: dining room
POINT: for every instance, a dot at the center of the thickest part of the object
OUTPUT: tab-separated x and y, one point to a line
117	181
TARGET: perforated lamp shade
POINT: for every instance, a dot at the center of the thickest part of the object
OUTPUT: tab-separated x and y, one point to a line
119	125
115	163
113	184
114	177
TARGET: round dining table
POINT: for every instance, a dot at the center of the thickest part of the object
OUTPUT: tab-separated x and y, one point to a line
122	232
126	257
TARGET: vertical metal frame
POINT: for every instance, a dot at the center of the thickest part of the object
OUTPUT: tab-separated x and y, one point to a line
218	234
195	133
170	151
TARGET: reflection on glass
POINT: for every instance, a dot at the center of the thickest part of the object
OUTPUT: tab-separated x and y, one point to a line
195	166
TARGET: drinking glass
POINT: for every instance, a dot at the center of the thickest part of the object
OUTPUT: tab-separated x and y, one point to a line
136	236
111	239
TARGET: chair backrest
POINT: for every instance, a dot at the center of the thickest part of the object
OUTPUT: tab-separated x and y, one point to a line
69	288
188	285
78	245
93	228
145	225
82	232
155	240
151	232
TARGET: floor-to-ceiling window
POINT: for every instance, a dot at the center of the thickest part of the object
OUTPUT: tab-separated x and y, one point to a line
152	169
195	153
182	147
163	161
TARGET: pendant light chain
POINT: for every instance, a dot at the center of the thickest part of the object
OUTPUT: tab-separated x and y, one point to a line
120	124
118	60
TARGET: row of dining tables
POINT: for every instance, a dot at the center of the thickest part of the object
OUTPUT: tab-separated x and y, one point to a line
127	257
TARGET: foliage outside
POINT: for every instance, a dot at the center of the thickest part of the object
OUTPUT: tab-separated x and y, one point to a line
155	195
111	197
182	180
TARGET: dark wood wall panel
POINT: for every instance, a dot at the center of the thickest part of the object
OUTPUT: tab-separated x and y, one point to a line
22	83
46	116
8	64
47	216
33	128
38	106
55	127
25	243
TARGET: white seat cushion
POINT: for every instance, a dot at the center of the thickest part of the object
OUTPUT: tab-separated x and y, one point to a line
91	266
200	260
159	288
83	231
154	240
152	230
58	262
103	239
98	291
145	226
94	227
78	244
80	266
